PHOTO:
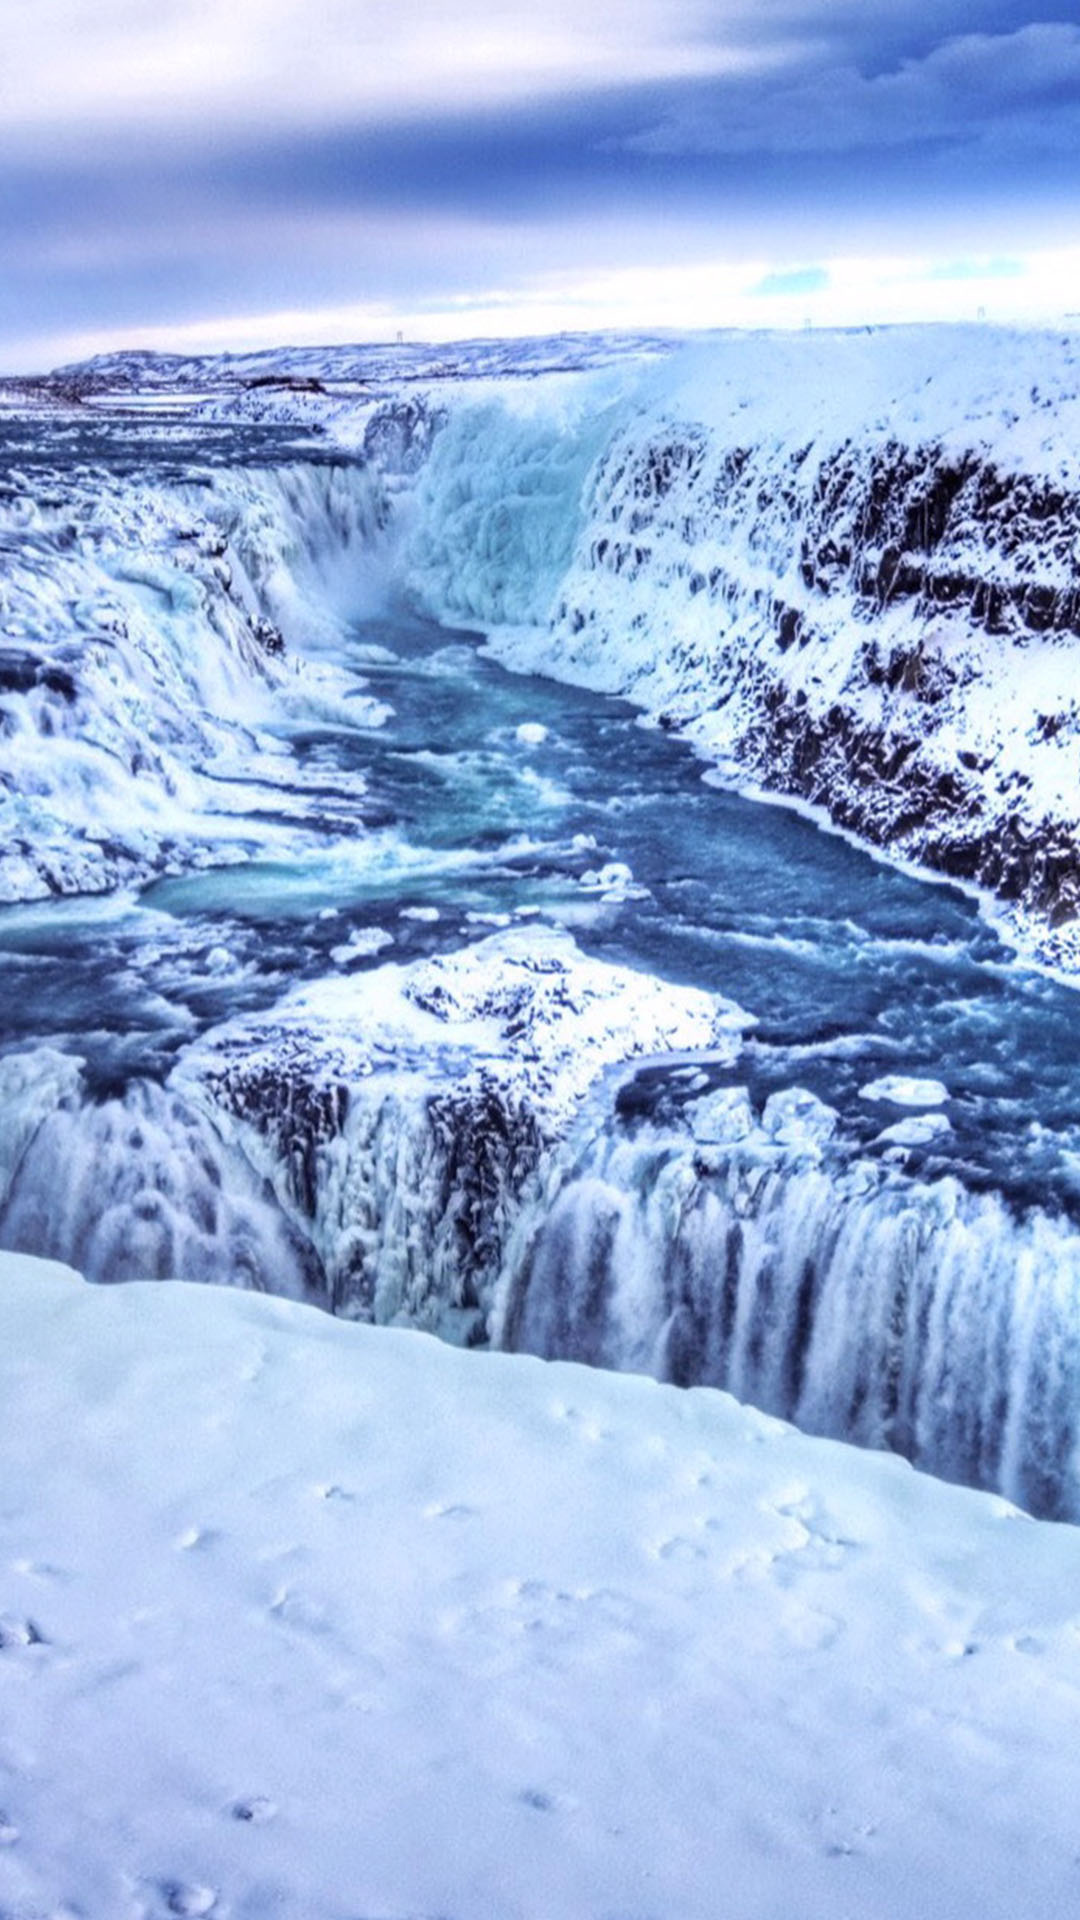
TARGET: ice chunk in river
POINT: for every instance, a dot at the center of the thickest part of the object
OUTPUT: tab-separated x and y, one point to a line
902	1091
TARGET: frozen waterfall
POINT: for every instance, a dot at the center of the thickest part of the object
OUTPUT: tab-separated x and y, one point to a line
848	1298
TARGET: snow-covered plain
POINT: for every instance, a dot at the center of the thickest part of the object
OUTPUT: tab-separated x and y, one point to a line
304	1621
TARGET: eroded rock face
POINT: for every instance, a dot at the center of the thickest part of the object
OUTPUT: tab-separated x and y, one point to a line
403	1115
887	629
949	531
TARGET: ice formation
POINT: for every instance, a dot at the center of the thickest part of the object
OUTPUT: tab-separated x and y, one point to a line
405	1115
845	565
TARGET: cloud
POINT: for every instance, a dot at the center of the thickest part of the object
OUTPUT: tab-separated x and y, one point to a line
73	65
978	270
966	87
175	162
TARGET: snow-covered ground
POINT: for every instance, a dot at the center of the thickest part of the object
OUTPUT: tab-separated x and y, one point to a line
304	1621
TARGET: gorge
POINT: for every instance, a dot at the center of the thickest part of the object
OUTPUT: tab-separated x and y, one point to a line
398	916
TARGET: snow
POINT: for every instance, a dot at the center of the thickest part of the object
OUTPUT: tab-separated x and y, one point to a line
901	1090
298	1618
315	1620
523	1006
809	554
404	1115
362	944
916	1131
138	693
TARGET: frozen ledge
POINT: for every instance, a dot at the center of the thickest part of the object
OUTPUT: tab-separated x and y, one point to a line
403	1114
300	1617
525	1009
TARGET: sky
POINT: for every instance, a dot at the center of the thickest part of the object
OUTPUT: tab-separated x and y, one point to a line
184	175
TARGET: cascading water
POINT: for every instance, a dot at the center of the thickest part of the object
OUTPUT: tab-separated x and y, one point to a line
844	1296
144	1188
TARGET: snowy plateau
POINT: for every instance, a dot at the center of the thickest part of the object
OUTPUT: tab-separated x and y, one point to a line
568	846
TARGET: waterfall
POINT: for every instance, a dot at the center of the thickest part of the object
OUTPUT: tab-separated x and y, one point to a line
846	1297
144	1188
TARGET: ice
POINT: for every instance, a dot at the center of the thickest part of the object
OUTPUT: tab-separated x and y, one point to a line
807	554
32	1086
335	1622
614	882
142	1187
404	1114
301	1619
839	1292
363	943
900	1090
154	635
918	1131
797	1118
722	1117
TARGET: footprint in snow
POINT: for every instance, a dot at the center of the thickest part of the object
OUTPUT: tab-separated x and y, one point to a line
536	1798
680	1548
185	1898
19	1633
254	1810
40	1570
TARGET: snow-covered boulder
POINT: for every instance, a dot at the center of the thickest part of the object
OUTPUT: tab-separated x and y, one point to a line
403	1113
